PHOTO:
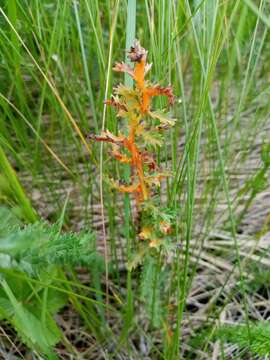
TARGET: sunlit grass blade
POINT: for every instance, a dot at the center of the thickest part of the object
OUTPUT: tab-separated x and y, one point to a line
17	191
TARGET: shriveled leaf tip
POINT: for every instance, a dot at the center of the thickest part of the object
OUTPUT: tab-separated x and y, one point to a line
137	53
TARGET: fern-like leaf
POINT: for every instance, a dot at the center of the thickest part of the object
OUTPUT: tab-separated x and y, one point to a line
40	246
256	338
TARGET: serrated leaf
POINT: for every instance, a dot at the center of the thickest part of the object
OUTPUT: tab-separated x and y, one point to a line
150	290
119	156
117	103
122	67
155	90
8	220
126	188
18	240
107	136
147	278
155	179
137	258
33	332
254	337
150	137
126	92
162	117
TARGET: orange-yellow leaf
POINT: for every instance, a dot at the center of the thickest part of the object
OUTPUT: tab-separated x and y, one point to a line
165	227
107	136
155	179
120	157
149	92
155	243
115	102
146	233
134	188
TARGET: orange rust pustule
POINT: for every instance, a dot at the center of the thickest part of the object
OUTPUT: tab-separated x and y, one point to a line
137	162
139	71
147	92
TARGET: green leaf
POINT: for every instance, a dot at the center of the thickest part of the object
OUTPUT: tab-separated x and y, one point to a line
35	333
256	338
19	240
6	308
14	184
162	117
56	300
8	219
137	257
127	92
150	137
39	246
150	289
265	155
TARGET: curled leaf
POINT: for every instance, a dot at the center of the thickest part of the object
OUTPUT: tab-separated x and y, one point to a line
133	188
119	156
148	160
115	102
122	67
152	91
166	91
148	67
107	136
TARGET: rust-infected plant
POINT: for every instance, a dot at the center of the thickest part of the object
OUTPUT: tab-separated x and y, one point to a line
143	127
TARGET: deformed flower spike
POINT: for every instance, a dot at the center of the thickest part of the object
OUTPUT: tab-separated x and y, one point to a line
138	55
143	127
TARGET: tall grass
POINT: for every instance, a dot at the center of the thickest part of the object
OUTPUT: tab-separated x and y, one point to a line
56	60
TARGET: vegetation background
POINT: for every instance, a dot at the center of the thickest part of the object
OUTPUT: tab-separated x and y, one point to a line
60	219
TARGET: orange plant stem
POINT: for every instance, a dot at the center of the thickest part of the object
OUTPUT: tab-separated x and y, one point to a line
136	160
